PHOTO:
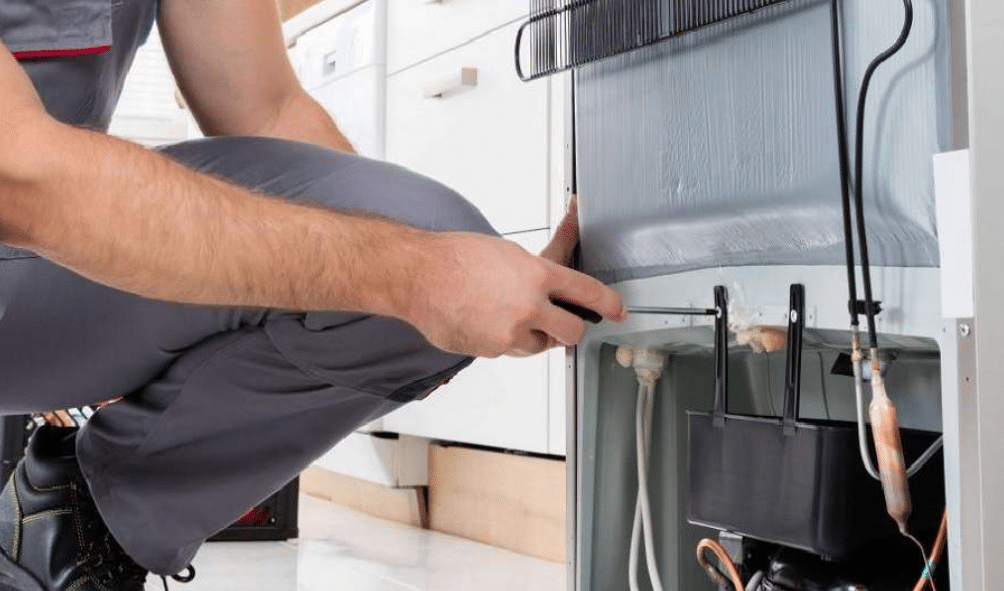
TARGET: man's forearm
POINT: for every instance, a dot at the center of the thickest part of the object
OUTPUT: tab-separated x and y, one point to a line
134	220
303	119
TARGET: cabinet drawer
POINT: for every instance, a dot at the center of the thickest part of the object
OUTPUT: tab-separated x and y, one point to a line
495	402
420	29
488	141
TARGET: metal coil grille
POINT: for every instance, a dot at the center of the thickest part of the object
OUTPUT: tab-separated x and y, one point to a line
563	34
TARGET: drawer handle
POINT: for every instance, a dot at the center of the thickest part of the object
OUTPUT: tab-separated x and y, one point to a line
330	63
463	79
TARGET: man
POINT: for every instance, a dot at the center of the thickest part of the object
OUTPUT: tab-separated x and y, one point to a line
400	278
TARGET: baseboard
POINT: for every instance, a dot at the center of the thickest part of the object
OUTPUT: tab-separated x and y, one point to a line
502	499
404	505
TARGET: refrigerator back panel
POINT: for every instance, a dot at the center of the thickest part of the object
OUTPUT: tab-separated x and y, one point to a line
718	147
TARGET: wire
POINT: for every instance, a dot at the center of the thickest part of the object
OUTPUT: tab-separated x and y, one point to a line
859	397
723	558
859	169
755	581
845	166
860	218
643	527
931	563
845	203
920	462
822	385
923	558
866	458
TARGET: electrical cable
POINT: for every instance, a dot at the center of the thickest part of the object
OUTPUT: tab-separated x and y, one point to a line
643	526
931	563
870	308
648	365
845	167
723	558
845	202
859	171
755	581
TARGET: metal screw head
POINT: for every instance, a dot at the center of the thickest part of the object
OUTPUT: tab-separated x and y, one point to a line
793	316
965	330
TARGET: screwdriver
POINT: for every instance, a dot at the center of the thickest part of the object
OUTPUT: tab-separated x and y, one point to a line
595	318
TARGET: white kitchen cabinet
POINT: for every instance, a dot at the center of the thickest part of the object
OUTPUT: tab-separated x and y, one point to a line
386	459
455	111
495	402
356	103
420	29
148	112
340	62
486	138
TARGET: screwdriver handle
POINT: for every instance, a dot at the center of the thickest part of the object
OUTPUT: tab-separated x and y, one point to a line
583	313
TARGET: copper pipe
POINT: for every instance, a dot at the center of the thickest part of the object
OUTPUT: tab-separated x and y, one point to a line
932	561
889	449
723	558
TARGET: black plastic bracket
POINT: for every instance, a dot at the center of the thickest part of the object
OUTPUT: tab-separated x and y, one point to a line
721	355
860	307
793	371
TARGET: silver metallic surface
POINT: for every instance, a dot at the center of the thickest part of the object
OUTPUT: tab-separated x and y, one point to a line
982	565
719	148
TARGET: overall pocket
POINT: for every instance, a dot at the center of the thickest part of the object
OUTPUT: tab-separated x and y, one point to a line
33	29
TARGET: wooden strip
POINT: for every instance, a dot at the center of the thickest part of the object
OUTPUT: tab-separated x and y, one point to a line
501	499
394	504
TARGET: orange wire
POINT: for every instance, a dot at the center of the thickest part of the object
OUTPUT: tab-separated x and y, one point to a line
723	558
932	561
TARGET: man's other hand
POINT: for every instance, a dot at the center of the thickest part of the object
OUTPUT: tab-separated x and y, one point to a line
488	297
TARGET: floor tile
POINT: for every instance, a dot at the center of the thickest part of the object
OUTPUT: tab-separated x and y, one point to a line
342	549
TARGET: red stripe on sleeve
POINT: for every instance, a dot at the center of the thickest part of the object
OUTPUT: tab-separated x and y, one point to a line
51	53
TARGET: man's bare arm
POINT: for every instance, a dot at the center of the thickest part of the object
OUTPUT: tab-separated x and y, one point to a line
134	220
230	61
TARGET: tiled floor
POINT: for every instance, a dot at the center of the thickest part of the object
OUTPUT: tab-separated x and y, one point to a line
340	549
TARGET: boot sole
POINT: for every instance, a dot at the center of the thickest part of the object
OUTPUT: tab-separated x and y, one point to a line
15	578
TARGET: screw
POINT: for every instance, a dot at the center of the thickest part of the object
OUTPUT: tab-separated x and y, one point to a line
794	316
965	330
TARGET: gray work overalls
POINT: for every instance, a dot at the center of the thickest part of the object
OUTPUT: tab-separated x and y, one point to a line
222	406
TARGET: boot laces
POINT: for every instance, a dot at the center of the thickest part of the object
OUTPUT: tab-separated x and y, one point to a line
102	555
187	577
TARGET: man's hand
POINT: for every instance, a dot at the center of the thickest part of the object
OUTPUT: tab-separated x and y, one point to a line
566	237
489	297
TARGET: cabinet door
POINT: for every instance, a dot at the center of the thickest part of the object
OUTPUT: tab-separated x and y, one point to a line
487	138
356	103
496	402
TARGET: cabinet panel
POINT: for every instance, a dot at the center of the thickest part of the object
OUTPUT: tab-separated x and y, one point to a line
485	135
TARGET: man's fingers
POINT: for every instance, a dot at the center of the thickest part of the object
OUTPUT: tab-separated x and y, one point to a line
530	343
564	327
565	238
577	288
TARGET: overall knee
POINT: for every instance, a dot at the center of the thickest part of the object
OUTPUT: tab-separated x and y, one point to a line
418	200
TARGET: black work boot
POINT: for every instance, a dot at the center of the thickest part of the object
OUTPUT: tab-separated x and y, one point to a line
51	535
